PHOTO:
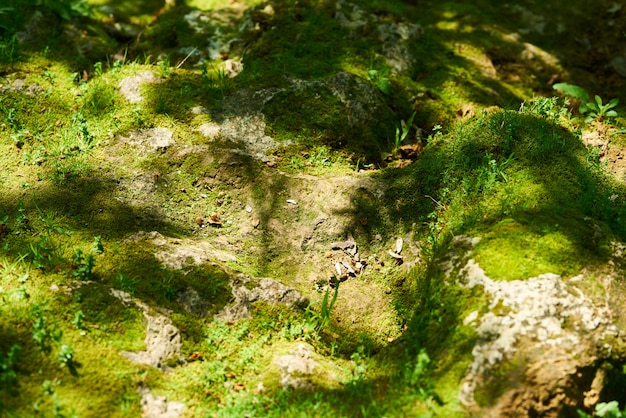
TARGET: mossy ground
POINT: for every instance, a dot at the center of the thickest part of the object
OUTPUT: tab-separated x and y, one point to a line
523	181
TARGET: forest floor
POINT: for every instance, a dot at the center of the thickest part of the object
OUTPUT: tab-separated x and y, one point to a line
311	208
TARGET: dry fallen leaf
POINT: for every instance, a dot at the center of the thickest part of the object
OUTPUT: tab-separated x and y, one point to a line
214	220
399	243
239	387
395	255
338	268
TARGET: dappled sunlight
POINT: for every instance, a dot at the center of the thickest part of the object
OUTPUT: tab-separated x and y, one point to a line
284	208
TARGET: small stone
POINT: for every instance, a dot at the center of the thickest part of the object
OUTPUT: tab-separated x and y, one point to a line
248	208
198	110
54	288
209	130
338	268
232	68
343	245
348	267
399	243
395	255
255	222
292	202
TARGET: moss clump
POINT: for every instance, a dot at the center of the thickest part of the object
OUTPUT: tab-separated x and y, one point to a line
532	245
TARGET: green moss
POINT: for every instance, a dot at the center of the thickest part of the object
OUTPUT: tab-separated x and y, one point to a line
520	249
540	201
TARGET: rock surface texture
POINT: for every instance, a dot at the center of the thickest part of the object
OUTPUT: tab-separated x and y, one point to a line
545	338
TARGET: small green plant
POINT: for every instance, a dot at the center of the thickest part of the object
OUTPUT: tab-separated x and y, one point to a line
96	246
215	78
167	285
138	117
9	48
55	409
379	78
43	332
550	108
41	251
599	111
320	157
8	361
83	265
296	163
79	317
21	221
125	283
49	75
328	306
359	370
164	67
97	69
81	126
66	356
605	410
402	131
594	110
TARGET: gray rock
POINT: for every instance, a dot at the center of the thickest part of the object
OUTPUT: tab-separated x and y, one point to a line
158	406
266	289
243	123
297	367
272	291
178	254
193	303
343	245
526	319
19	86
130	86
151	139
163	342
394	37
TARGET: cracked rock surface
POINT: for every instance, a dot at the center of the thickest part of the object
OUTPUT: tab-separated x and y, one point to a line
532	322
